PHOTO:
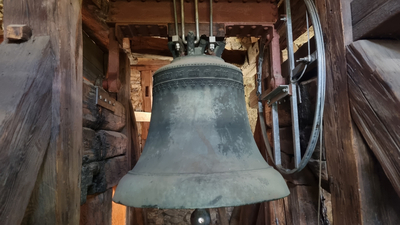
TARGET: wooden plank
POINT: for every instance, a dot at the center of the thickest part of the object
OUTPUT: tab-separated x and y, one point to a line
150	45
93	22
97	209
18	32
96	117
25	121
303	201
375	96
134	216
91	114
58	184
147	87
143	116
379	200
90	153
150	62
340	155
113	120
109	144
115	169
112	83
223	218
93	61
298	9
375	19
224	12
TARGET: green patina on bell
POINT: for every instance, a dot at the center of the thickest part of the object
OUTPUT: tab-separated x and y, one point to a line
200	151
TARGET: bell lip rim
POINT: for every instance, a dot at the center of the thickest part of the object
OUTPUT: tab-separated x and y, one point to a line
269	193
210	207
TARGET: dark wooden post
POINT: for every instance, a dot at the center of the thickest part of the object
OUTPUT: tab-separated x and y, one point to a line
56	195
340	155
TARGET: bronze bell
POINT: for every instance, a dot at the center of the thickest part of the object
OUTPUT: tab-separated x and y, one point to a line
200	151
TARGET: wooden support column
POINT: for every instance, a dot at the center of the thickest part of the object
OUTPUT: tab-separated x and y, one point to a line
135	216
56	196
340	156
147	86
112	83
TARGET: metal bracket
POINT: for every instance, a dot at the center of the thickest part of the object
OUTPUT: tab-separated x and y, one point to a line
104	100
277	94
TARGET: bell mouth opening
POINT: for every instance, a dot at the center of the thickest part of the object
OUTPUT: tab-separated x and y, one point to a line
197	191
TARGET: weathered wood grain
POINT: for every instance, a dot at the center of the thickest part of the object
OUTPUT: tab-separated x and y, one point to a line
298	9
89	173
102	145
96	117
97	209
25	121
18	32
224	12
114	121
89	151
340	157
375	19
379	202
111	143
93	61
302	205
94	17
115	169
59	183
375	98
147	88
112	82
134	215
91	114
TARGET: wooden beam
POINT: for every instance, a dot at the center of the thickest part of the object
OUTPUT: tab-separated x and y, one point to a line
150	45
96	117
298	9
375	98
147	87
25	121
150	62
162	12
112	82
340	156
56	197
18	32
97	209
134	215
143	116
93	21
375	19
379	201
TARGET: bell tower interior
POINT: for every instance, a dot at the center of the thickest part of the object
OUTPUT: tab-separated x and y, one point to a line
181	112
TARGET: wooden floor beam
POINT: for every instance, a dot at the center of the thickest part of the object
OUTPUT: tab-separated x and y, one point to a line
161	12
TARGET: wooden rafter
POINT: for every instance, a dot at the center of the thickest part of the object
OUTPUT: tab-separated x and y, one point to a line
152	12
